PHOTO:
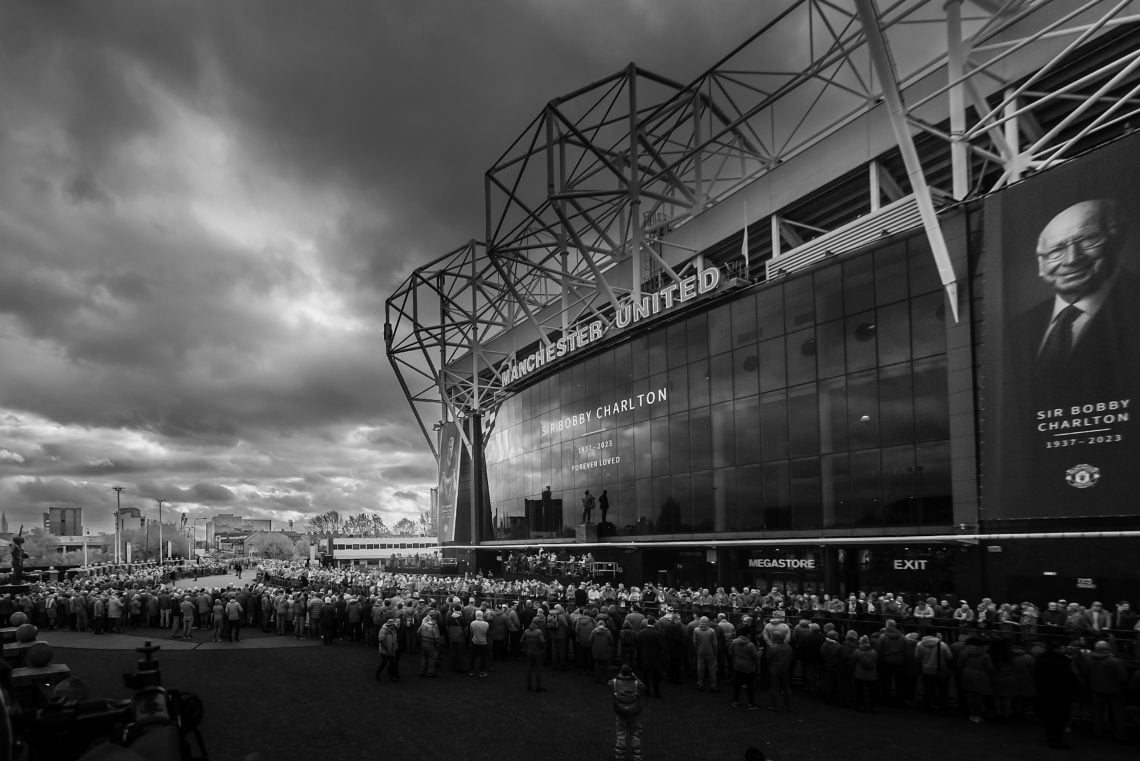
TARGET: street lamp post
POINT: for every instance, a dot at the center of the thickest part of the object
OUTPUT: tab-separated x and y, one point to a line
160	501
86	533
118	507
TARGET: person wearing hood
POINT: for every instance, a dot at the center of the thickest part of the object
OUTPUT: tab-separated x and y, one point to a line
866	677
974	669
389	651
601	651
456	640
533	643
935	664
892	647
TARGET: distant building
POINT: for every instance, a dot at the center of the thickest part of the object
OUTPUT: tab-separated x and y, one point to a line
130	519
64	521
226	528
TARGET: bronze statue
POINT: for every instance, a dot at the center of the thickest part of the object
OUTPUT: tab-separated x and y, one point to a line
18	556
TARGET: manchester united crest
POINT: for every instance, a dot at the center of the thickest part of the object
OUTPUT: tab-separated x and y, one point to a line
1082	476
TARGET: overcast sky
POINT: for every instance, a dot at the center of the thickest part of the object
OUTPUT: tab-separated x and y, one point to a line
204	205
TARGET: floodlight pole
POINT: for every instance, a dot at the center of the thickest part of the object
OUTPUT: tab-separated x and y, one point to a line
118	494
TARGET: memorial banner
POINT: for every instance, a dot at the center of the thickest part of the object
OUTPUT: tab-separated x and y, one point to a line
1062	341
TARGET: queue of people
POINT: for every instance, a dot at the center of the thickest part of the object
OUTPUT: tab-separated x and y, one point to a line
988	661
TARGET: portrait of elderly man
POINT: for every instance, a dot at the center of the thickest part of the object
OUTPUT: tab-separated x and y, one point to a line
1074	358
1082	342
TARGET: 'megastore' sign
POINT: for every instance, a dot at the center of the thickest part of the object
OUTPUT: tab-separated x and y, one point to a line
628	313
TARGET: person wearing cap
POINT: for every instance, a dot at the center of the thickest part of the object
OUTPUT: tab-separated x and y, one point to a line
234	616
626	691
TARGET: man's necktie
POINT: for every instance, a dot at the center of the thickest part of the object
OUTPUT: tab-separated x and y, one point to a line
1059	342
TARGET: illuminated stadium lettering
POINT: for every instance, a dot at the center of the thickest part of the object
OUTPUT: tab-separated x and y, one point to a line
629	313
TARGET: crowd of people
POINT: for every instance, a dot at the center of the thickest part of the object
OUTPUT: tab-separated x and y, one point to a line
987	661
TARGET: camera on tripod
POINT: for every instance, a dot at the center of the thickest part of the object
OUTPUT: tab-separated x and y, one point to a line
154	724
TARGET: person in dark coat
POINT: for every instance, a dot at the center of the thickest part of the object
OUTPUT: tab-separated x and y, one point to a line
1057	688
651	656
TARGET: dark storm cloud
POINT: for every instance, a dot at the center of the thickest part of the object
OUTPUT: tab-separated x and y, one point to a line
213	493
204	207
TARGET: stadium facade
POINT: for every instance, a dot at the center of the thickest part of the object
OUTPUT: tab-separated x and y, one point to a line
782	316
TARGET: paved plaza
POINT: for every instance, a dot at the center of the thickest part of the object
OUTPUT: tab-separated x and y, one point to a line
302	700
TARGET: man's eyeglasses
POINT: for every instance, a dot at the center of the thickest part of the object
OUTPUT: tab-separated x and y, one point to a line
1086	244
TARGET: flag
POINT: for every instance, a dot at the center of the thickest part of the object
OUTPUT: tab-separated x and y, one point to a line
744	249
744	243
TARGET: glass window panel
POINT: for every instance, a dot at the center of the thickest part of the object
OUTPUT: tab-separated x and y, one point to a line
896	405
724	499
606	379
592	368
862	332
667	516
698	373
859	284
833	415
744	330
829	349
578	393
639	358
866	488
627	450
807	509
678	385
777	497
803	412
932	476
697	336
748	512
659	431
801	357
646	510
623	509
745	373
720	329
923	271
658	352
643	449
773	427
723	434
770	312
863	410
623	363
681	495
828	293
720	378
900	503
700	439
835	490
799	302
931	399
677	343
890	273
678	442
773	364
893	328
928	324
701	501
747	430
661	381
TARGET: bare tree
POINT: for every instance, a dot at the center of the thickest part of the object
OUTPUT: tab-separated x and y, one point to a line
404	527
326	523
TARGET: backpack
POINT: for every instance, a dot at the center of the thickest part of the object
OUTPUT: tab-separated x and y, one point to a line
627	700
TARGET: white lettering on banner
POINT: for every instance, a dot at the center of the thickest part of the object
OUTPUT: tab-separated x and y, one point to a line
785	563
910	565
610	408
628	313
1083	416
